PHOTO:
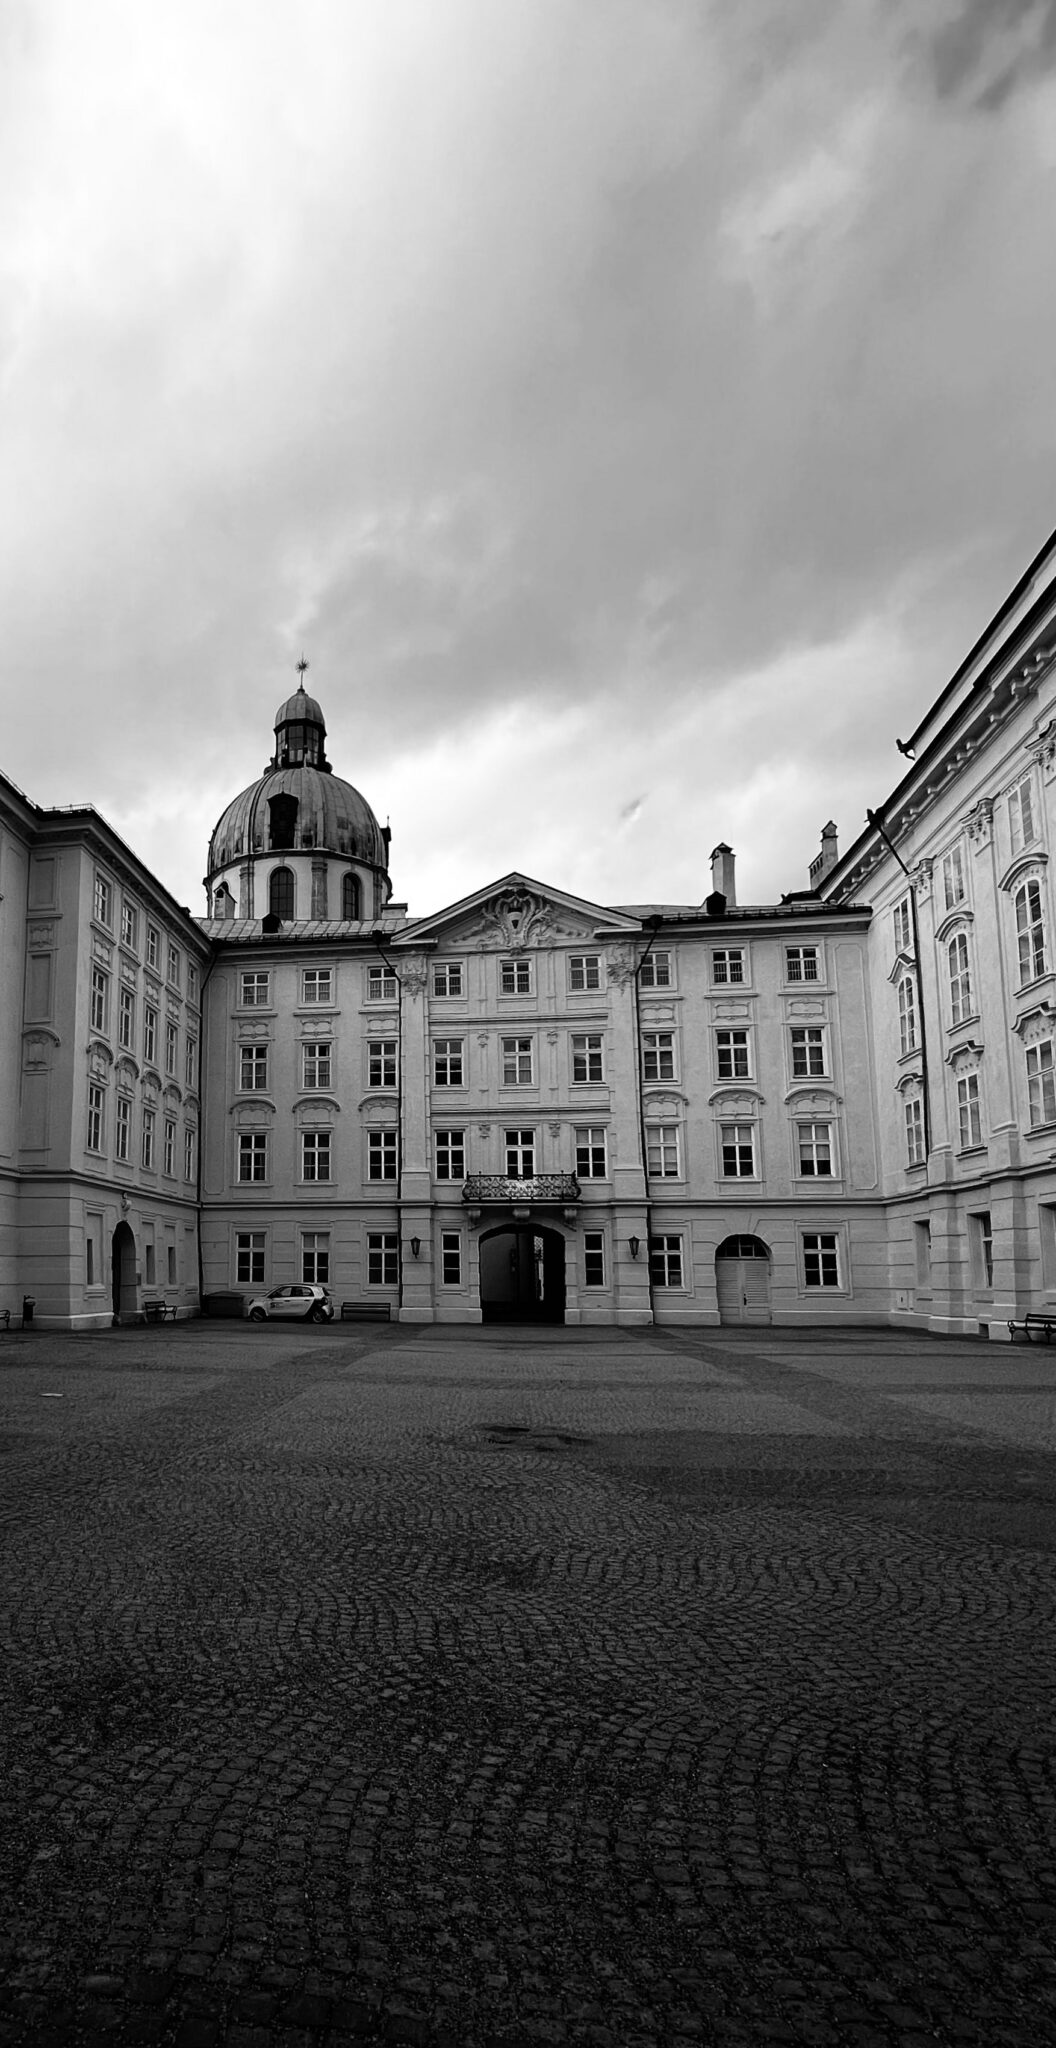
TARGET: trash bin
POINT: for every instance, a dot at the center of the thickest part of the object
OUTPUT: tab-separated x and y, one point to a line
29	1302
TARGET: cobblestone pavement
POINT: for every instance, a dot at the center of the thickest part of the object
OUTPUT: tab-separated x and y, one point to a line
468	1686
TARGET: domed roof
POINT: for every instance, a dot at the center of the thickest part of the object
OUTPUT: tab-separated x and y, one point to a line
300	707
298	804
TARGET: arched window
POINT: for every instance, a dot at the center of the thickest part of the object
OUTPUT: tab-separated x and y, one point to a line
1030	931
281	893
350	895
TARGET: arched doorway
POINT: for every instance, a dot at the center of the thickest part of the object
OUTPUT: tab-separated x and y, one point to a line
123	1273
742	1280
522	1276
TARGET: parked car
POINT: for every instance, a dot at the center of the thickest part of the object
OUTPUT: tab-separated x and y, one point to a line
309	1304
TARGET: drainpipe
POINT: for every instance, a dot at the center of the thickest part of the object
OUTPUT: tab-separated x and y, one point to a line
656	923
878	826
377	937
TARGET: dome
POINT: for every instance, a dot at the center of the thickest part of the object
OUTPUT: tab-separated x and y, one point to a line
302	708
303	808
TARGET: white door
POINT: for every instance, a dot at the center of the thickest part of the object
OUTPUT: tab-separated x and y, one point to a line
743	1289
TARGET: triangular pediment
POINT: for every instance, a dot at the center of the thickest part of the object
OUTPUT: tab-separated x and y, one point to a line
517	914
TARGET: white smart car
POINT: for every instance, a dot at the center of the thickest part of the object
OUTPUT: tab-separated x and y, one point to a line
308	1304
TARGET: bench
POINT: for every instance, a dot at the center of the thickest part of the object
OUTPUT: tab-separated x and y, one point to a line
1038	1327
366	1311
156	1311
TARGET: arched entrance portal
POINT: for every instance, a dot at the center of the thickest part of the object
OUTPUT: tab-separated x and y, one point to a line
742	1280
522	1276
123	1272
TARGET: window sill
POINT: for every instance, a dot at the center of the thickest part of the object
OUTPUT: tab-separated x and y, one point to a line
1046	1130
916	1166
971	1152
962	1023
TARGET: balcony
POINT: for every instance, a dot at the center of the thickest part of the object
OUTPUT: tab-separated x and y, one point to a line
521	1190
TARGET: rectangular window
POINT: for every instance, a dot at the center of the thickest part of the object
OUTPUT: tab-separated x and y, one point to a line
174	967
914	1114
93	1251
1030	932
170	1263
148	1258
315	1258
903	921
922	1236
129	925
249	1257
516	1062
814	1151
665	1261
381	1062
192	982
450	1258
315	1155
447	978
954	888
808	1049
591	1160
150	1033
727	964
587	1057
1041	1083
96	1099
982	1249
100	998
253	1155
658	1056
252	1066
593	1258
801	963
520	1154
149	1123
168	1152
655	971
190	1063
172	1046
381	985
731	1051
663	1152
381	1155
126	1029
450	1152
153	945
821	1258
907	1014
960	978
969	1113
189	1153
123	1130
315	1069
254	990
584	971
316	985
448	1070
515	977
738	1151
383	1258
1021	814
102	901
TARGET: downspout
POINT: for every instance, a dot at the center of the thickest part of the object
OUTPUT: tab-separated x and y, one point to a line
878	826
656	923
377	937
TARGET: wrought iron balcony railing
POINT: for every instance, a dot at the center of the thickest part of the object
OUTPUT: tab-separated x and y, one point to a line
516	1187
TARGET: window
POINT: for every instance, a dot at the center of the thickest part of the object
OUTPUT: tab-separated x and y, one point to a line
738	1151
315	1258
190	1062
172	1046
450	1152
515	977
1021	814
1030	932
814	1151
982	1237
658	1055
153	945
381	985
383	1258
1041	1083
520	1154
447	978
969	1116
100	995
662	1152
922	1235
381	1155
316	984
381	1062
129	924
96	1100
586	1057
174	967
954	890
450	1258
102	901
731	1048
192	982
252	1066
655	971
447	1063
516	1062
914	1113
801	963
253	1155
148	1259
349	897
150	1033
727	964
907	1014
254	991
665	1261
147	1152
168	1149
282	894
593	1258
591	1161
315	1059
249	1257
821	1258
123	1132
903	918
584	971
189	1152
808	1049
960	978
126	1029
315	1155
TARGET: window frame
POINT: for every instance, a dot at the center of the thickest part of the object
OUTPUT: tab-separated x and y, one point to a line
251	1251
443	971
450	1258
449	1065
103	900
123	1130
252	1149
251	996
822	1246
99	1000
809	1051
648	968
126	1019
1041	1083
383	1063
969	1112
660	1138
658	1050
129	925
317	1065
815	1149
516	1052
252	1062
907	1014
316	978
516	969
913	1123
959	978
954	877
449	1145
729	1048
148	1136
729	956
666	1260
731	1151
315	1252
586	963
382	1153
591	1142
1031	940
387	989
317	1158
383	1258
95	1127
588	1058
803	955
519	1144
1019	835
594	1272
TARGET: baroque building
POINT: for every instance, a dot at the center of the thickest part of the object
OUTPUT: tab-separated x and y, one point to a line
837	1108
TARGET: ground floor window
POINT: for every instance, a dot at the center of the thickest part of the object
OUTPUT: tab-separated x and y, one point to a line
383	1259
982	1239
922	1233
593	1258
451	1258
821	1258
665	1261
315	1257
249	1257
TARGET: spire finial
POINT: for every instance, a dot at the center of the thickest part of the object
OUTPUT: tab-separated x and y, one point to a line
301	666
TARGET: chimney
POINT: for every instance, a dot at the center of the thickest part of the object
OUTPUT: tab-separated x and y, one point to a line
722	882
827	858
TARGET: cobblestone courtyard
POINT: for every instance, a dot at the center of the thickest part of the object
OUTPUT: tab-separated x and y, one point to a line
479	1686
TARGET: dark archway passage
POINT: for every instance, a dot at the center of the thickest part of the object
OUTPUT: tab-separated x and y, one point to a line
522	1275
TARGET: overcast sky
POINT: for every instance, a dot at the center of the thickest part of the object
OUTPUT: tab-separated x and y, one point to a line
634	409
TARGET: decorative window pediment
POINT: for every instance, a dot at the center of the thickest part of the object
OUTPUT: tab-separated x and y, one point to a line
1027	865
964	1058
313	1105
957	920
909	1082
806	1097
735	1092
666	1103
904	964
259	1111
1036	1023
